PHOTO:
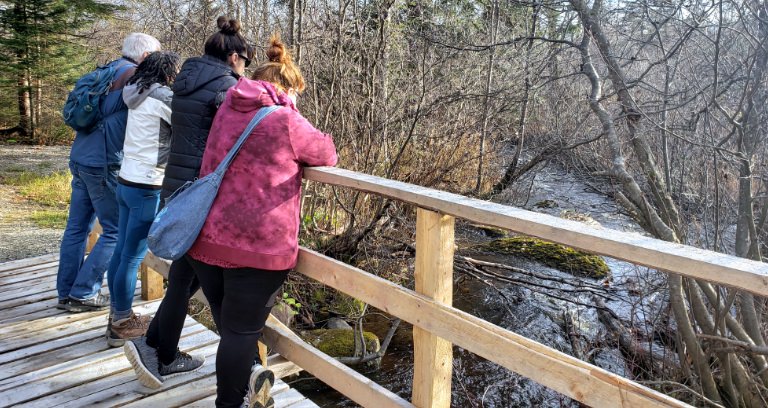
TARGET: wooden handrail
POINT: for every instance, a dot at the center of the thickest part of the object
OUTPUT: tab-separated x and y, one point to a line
741	273
430	310
561	372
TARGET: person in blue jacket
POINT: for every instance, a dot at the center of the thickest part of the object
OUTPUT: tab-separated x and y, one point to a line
94	162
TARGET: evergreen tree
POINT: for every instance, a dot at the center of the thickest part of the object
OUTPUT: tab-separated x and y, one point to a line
38	41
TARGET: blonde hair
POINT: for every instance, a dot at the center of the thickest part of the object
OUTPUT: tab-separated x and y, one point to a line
279	68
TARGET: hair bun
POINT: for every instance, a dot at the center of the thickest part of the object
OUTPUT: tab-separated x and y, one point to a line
276	52
228	27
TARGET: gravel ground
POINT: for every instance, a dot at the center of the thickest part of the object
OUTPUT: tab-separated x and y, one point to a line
20	238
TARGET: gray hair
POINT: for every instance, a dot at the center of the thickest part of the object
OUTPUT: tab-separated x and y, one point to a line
136	44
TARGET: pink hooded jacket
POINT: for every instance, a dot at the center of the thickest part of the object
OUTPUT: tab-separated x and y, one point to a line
254	221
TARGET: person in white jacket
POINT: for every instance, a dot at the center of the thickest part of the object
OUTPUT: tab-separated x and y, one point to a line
147	141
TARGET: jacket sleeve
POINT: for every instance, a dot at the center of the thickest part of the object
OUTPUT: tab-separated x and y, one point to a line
311	146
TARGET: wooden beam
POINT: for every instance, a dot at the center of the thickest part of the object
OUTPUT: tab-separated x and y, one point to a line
563	373
159	265
433	356
689	261
340	377
93	236
151	283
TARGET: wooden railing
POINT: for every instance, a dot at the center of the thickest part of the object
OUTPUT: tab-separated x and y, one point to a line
438	326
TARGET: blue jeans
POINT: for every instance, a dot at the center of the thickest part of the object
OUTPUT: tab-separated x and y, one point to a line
137	211
93	195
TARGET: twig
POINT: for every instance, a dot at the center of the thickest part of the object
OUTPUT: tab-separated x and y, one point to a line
373	356
581	288
737	345
686	388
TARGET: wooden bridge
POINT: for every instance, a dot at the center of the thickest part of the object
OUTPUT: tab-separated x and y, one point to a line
102	379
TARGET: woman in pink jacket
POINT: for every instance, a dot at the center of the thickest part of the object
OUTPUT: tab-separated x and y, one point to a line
250	240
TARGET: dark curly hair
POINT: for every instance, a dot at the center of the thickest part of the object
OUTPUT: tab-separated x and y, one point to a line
159	67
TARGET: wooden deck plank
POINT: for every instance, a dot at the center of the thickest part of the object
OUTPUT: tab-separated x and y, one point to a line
288	398
131	391
49	357
63	317
30	315
95	319
120	385
190	393
89	321
305	403
37	297
49	298
27	311
20	263
97	355
27	288
10	371
29	272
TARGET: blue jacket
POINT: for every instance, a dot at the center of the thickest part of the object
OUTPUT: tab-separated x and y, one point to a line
103	146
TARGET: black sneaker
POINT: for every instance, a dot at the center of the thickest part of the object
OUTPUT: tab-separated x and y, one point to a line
144	360
63	304
181	364
259	386
98	302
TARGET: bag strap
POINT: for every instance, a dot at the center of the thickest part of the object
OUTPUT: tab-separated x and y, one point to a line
119	80
260	114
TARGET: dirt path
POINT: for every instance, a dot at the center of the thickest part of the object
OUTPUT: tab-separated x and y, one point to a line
19	237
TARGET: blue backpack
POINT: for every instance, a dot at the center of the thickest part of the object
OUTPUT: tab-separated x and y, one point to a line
81	111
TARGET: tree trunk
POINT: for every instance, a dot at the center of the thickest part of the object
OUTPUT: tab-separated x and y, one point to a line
511	171
291	22
24	105
493	27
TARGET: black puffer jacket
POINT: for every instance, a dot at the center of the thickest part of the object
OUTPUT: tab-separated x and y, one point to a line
198	91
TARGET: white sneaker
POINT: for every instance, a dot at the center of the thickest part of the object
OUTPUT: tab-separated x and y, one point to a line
259	386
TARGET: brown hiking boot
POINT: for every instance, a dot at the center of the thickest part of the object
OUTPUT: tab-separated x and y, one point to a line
119	331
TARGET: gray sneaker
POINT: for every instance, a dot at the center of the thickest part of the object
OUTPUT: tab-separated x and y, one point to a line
144	360
259	386
181	364
98	302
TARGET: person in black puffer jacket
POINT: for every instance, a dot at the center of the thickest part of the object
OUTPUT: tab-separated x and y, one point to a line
198	90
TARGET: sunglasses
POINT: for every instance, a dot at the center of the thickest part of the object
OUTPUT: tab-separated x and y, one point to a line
243	57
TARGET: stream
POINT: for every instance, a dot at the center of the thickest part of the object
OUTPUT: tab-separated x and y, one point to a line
480	383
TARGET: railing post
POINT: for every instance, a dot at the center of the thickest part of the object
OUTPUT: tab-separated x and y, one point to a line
151	283
93	236
433	356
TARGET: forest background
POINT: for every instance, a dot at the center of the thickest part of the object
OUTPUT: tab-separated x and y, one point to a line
662	101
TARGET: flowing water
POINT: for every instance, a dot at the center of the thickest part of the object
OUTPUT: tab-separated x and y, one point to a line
480	383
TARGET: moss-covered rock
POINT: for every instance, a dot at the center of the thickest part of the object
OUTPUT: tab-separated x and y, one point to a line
339	342
557	256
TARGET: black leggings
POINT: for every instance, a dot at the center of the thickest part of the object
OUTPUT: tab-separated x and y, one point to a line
165	329
240	299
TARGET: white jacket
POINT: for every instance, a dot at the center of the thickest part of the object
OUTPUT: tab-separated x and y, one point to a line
147	134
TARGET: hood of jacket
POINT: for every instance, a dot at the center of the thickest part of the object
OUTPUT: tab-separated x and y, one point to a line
133	98
249	95
199	71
